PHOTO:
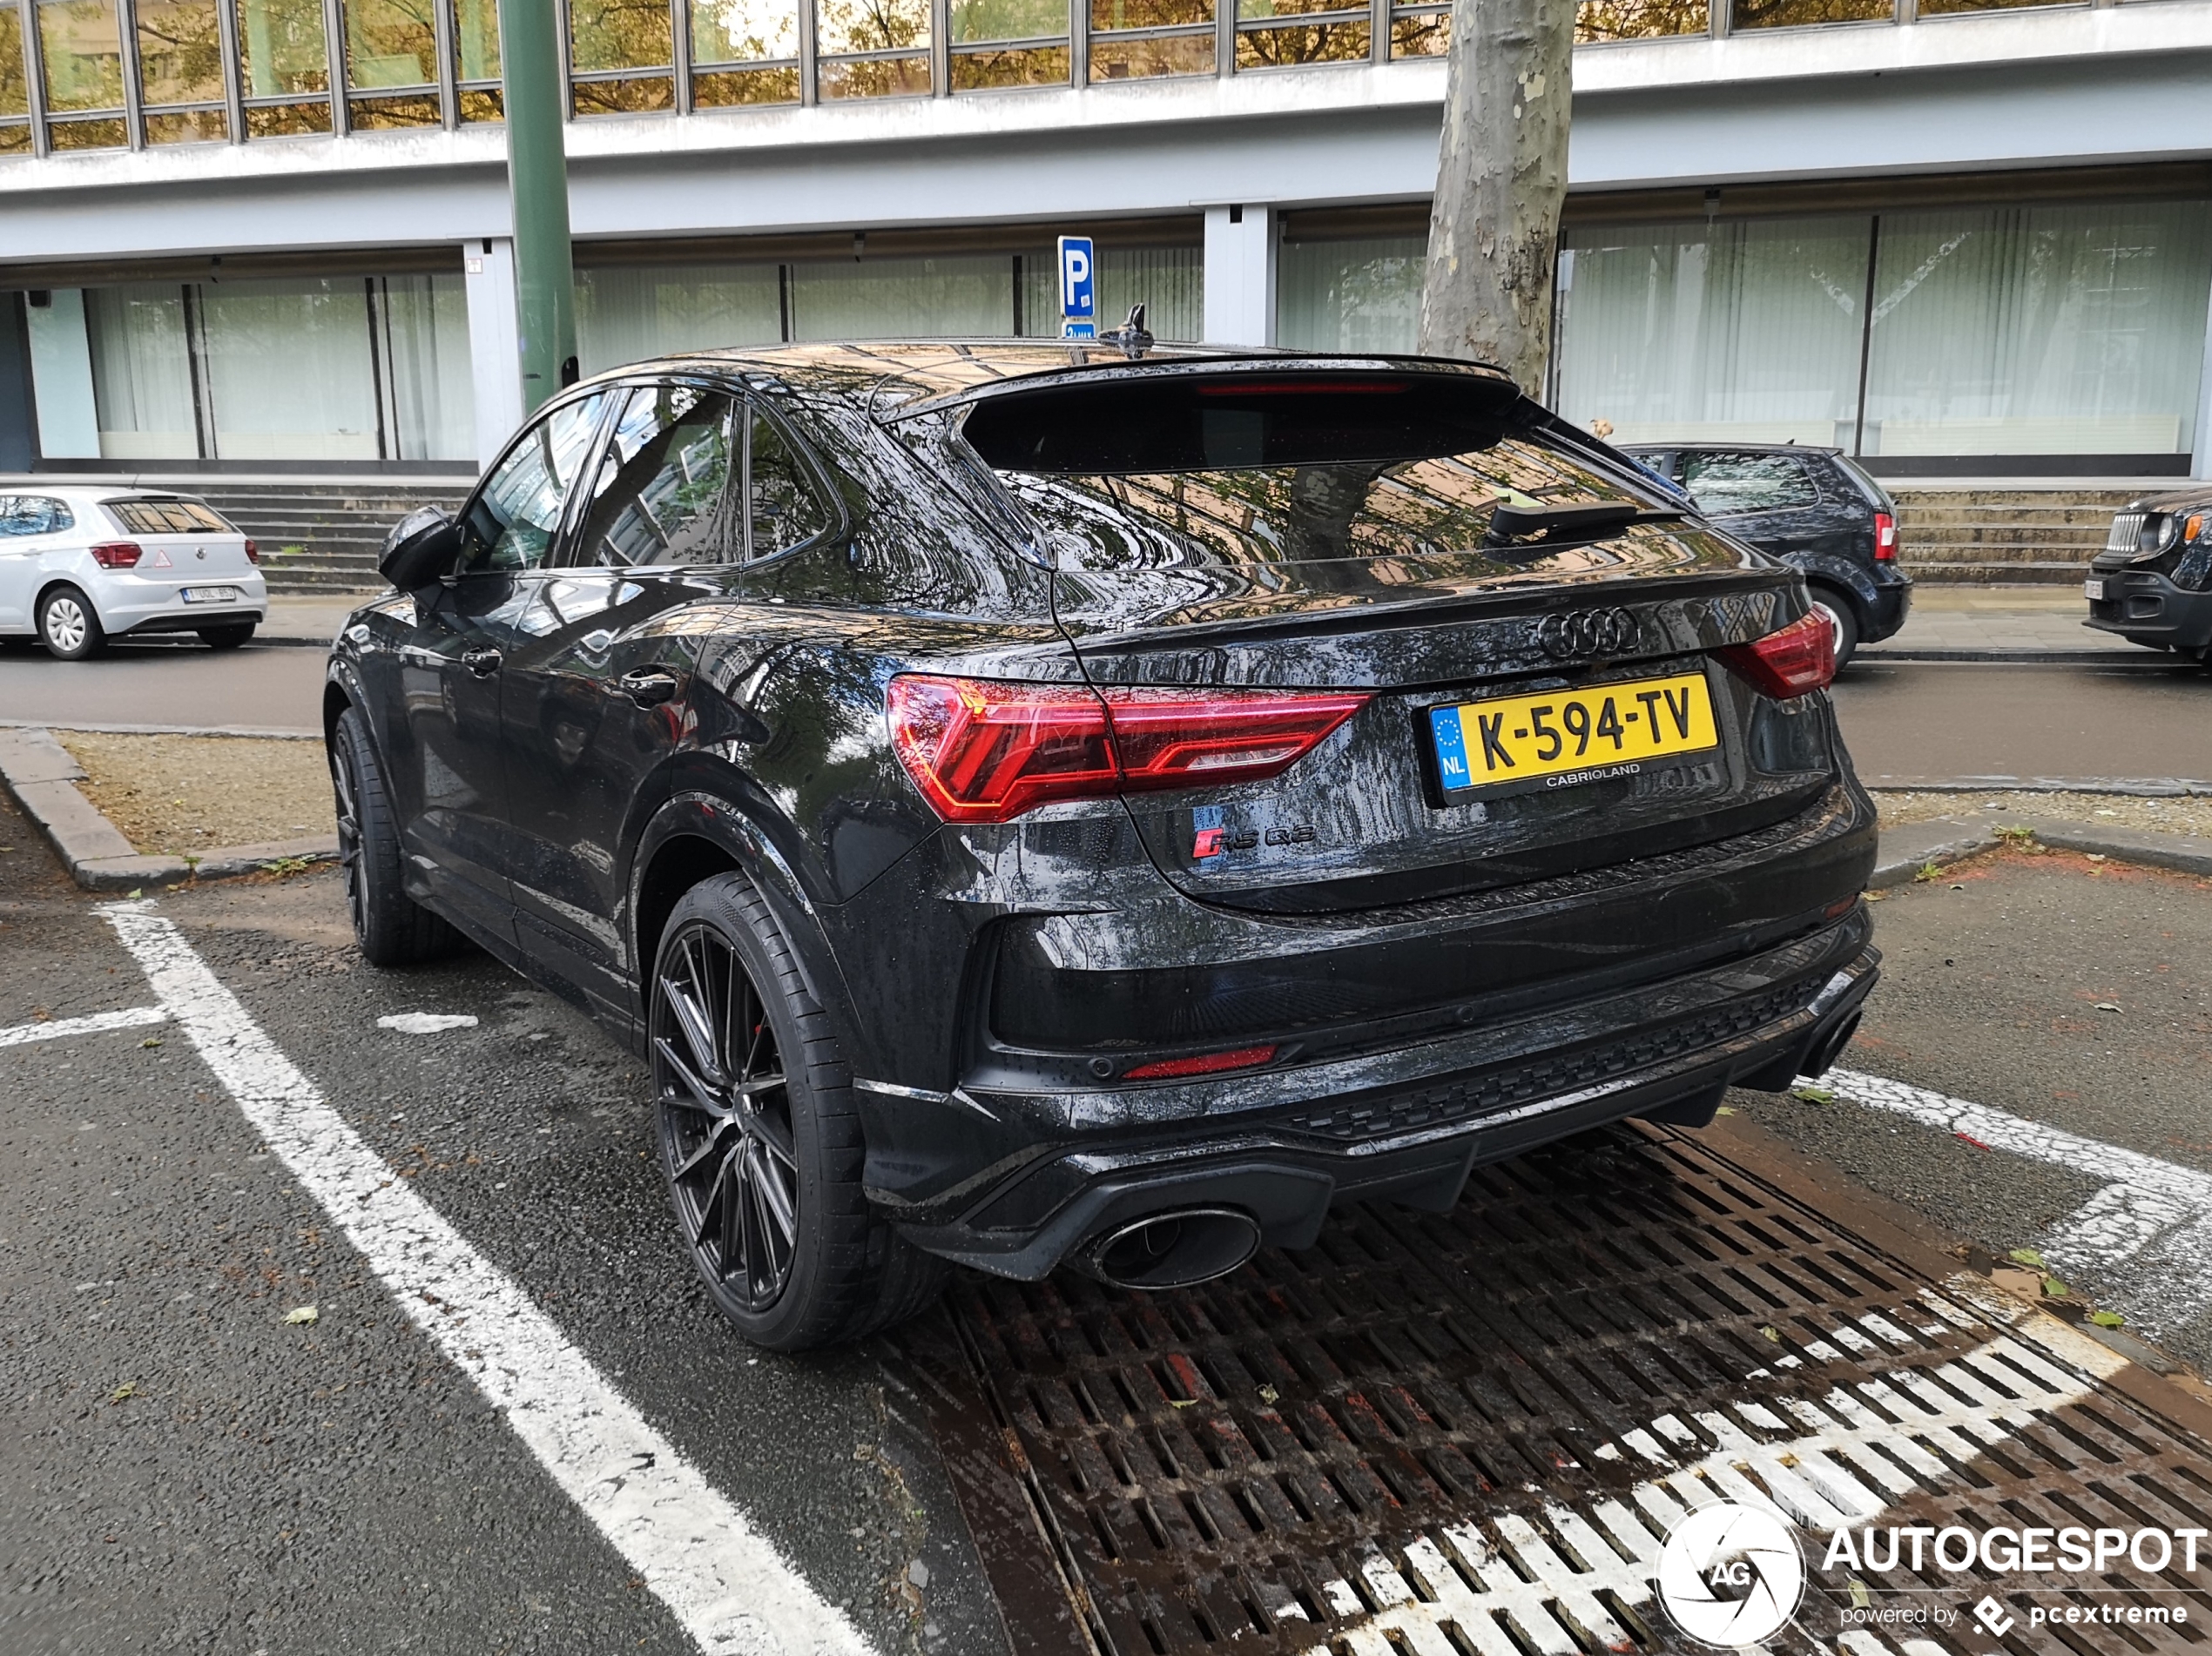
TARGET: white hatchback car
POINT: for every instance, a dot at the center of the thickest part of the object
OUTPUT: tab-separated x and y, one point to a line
80	566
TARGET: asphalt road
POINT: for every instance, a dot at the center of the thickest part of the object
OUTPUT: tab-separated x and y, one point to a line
1910	721
260	687
183	1469
2076	994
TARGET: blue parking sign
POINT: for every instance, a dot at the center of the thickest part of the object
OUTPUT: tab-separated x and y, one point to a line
1078	289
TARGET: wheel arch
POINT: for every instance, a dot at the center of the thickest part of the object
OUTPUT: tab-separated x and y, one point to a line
694	837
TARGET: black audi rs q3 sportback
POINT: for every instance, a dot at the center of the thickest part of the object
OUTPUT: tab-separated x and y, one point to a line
1035	805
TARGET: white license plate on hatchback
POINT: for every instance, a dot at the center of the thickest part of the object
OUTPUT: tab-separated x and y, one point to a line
211	595
2094	590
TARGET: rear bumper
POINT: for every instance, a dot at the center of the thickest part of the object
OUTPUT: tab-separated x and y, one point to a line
192	620
2146	606
130	603
1885	615
1410	1124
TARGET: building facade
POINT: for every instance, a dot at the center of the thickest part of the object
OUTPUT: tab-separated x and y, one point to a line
272	236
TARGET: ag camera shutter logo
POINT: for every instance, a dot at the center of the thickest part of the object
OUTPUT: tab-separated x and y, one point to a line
1731	1576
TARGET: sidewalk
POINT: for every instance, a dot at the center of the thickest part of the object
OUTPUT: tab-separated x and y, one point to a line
308	619
1983	623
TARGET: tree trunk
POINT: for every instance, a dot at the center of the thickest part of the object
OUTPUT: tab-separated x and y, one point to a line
1500	180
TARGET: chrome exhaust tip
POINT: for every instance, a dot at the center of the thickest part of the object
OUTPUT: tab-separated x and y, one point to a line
1172	1249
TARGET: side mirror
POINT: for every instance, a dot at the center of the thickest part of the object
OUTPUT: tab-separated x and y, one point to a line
419	548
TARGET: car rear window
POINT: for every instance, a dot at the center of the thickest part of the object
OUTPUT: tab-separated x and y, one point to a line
1748	482
167	517
1275	469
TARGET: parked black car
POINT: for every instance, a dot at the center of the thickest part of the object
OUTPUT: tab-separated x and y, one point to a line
1033	805
1813	507
2152	584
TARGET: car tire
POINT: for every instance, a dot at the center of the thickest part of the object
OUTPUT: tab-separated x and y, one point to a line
759	1139
69	626
392	928
226	637
1846	618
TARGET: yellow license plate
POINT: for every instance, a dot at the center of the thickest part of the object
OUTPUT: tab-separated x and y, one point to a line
1562	738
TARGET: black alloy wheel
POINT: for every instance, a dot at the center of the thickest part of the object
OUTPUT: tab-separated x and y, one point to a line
392	928
760	1137
725	1122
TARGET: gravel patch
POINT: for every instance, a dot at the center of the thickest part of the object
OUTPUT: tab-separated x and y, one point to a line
183	795
2190	816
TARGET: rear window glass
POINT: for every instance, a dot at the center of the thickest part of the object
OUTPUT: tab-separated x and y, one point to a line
167	517
1271	469
1723	483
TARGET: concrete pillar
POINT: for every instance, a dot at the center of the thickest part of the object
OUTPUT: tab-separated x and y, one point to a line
1240	275
495	343
61	370
2200	459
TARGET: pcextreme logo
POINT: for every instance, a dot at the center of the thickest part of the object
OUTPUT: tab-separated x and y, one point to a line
1731	1576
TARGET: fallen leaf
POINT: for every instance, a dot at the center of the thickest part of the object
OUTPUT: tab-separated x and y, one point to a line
128	1389
1860	1598
2025	1256
303	1314
1771	1334
1268	1394
1181	1403
2055	1288
1725	1109
2108	1006
2106	1319
151	1041
1813	1094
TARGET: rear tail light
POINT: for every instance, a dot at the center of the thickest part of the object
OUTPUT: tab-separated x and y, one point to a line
253	553
1884	538
1205	1063
118	555
981	750
1799	658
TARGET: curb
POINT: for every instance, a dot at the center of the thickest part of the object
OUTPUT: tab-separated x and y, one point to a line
1905	851
2127	787
2026	657
41	775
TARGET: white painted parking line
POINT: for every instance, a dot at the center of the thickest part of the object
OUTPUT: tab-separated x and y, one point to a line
1821	1462
92	1024
2146	1236
728	1586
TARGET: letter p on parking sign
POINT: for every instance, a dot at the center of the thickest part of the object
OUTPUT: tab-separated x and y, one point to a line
1078	289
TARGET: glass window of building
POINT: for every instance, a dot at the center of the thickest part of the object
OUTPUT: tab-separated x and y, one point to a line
625	313
286	67
1353	293
82	42
611	41
391	64
1419	31
475	49
1144	39
1794	14
2041	330
142	377
1748	330
1323	32
1008	42
872	48
15	86
951	297
745	51
1597	20
1170	282
422	333
290	373
180	70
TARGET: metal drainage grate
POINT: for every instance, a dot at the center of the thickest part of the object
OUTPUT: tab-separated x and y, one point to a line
1440	1435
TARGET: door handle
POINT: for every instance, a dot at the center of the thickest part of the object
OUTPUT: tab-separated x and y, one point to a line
647	686
483	660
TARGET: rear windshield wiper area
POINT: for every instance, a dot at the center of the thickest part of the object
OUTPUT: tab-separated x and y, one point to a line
1534	531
